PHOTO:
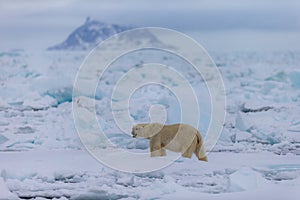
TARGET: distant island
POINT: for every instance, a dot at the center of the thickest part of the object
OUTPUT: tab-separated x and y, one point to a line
89	35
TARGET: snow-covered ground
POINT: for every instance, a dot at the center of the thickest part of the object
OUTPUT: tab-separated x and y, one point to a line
75	175
257	155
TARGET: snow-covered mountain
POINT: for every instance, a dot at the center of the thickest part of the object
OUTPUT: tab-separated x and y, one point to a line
89	35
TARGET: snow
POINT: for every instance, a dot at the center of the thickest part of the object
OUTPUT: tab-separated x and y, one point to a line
41	155
4	191
245	179
295	79
75	173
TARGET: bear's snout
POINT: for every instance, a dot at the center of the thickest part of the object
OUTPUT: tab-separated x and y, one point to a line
133	133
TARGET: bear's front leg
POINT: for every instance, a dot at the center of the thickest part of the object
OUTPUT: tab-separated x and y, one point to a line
163	152
155	147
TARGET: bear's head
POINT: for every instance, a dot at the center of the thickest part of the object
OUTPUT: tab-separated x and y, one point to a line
146	130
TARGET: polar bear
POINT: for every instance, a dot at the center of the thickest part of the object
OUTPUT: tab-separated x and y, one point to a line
176	137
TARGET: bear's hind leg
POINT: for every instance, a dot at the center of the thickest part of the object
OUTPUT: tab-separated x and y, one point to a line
187	154
200	153
190	150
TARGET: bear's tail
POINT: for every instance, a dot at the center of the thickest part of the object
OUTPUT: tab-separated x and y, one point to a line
200	150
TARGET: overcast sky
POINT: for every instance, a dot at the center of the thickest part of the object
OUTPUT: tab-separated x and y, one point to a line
24	22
